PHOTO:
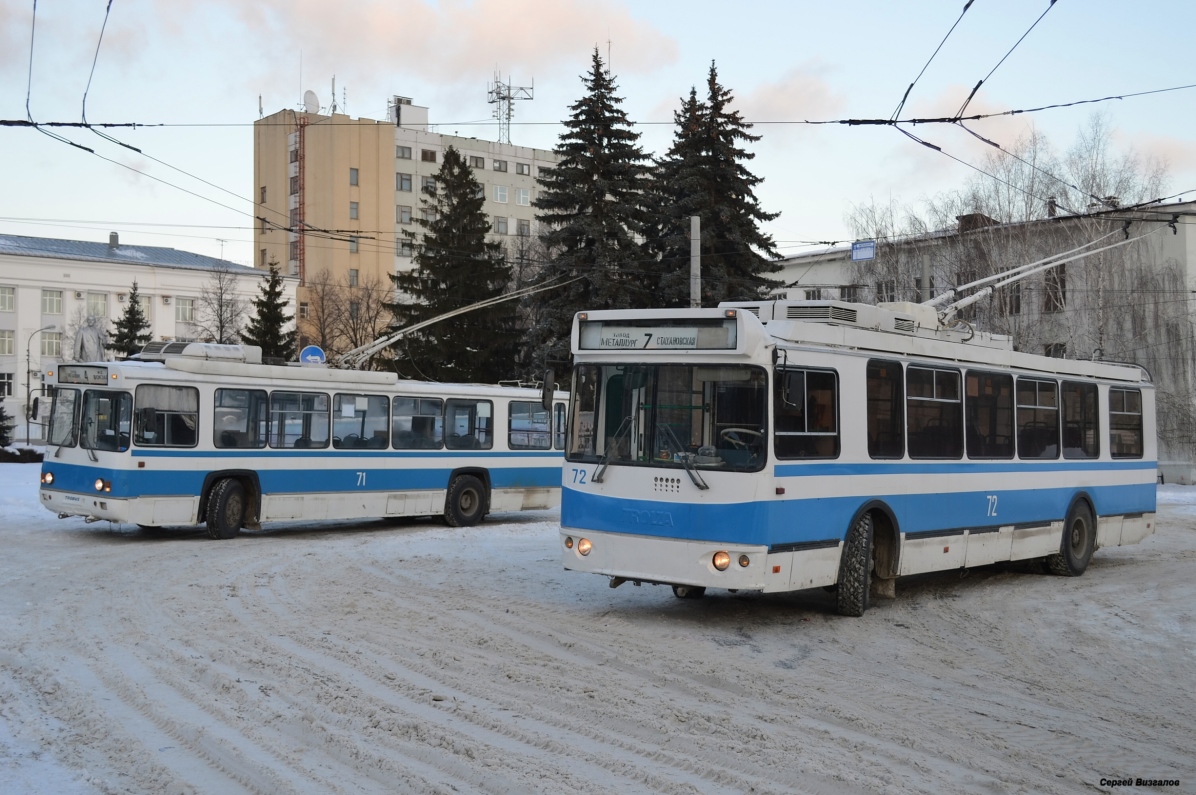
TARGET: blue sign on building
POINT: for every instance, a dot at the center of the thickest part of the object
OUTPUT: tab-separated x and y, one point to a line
862	250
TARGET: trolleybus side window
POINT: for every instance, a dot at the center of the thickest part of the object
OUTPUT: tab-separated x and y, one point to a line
106	419
989	409
469	424
1125	423
807	414
166	416
1081	426
359	421
298	419
62	417
935	413
528	426
239	418
1037	418
886	409
558	424
417	423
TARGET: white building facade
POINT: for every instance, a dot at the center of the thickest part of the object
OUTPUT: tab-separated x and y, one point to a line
50	287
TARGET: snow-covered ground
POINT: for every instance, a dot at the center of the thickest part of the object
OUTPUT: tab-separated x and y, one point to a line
411	657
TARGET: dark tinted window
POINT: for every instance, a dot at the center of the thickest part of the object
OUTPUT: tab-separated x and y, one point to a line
1125	423
1037	418
935	413
989	406
1081	426
239	418
807	414
886	410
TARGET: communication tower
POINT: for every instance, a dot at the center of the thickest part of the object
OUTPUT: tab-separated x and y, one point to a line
502	96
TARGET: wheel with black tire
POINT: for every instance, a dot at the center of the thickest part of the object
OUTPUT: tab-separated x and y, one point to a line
1078	544
689	591
466	502
855	569
226	509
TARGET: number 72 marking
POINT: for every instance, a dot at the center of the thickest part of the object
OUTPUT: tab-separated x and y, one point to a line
992	504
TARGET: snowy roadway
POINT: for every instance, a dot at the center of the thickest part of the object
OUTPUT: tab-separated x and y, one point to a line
410	657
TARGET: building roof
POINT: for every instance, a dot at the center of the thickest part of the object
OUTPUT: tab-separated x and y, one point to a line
54	248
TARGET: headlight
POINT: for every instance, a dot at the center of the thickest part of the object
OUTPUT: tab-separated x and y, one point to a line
721	561
99	484
744	560
47	478
568	542
584	546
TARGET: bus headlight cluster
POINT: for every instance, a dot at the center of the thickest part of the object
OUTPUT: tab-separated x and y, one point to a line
103	485
584	546
568	542
744	560
47	478
721	560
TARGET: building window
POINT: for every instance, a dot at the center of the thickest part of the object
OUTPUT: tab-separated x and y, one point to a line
403	152
403	214
352	211
353	245
477	162
294	219
147	306
427	185
500	225
1055	350
403	182
500	194
524	169
5	384
51	302
427	214
813	295
8	299
352	176
886	291
294	252
500	165
352	277
7	341
354	310
427	155
294	185
1009	299
97	305
265	225
304	309
523	227
184	310
1054	298
262	259
918	288
403	248
294	155
481	194
523	196
849	293
52	343
263	194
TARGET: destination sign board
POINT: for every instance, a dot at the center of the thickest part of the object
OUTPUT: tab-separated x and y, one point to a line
82	374
598	336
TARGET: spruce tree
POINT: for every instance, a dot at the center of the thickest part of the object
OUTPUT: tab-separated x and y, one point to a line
704	174
593	212
132	326
266	328
6	426
456	266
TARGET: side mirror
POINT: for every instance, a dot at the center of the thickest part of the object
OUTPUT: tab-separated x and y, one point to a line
546	392
33	407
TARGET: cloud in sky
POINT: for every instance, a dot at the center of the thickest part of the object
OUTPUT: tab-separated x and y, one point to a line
800	93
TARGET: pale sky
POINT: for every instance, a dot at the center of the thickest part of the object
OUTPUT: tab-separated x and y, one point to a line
192	63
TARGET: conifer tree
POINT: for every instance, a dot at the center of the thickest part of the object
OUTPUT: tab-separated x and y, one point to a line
456	266
266	328
704	174
593	211
6	426
132	326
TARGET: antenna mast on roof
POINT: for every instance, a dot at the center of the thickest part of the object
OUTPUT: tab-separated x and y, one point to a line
502	96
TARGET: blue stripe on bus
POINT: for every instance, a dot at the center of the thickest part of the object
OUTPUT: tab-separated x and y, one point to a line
343	453
953	467
768	523
167	482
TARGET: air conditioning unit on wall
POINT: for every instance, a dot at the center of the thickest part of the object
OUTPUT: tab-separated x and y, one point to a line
79	295
166	299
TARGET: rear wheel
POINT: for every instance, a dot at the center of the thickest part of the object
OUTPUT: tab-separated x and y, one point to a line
689	591
1079	541
855	569
466	502
226	509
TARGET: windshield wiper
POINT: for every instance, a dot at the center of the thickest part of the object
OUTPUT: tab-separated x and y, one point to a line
604	461
683	456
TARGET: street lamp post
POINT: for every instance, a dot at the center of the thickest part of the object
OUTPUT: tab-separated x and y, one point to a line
29	375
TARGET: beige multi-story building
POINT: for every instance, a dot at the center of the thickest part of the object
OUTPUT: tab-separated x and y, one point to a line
336	194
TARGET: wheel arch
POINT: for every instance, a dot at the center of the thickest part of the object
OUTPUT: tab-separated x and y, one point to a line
249	481
481	473
886	536
1081	496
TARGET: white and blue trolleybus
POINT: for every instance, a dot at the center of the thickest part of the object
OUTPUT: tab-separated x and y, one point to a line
784	445
200	433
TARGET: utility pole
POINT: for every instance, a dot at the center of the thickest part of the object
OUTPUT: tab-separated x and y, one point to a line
695	261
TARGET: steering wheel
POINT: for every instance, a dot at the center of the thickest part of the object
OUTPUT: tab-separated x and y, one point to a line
732	436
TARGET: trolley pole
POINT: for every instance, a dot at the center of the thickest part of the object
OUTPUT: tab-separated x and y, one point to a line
695	262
